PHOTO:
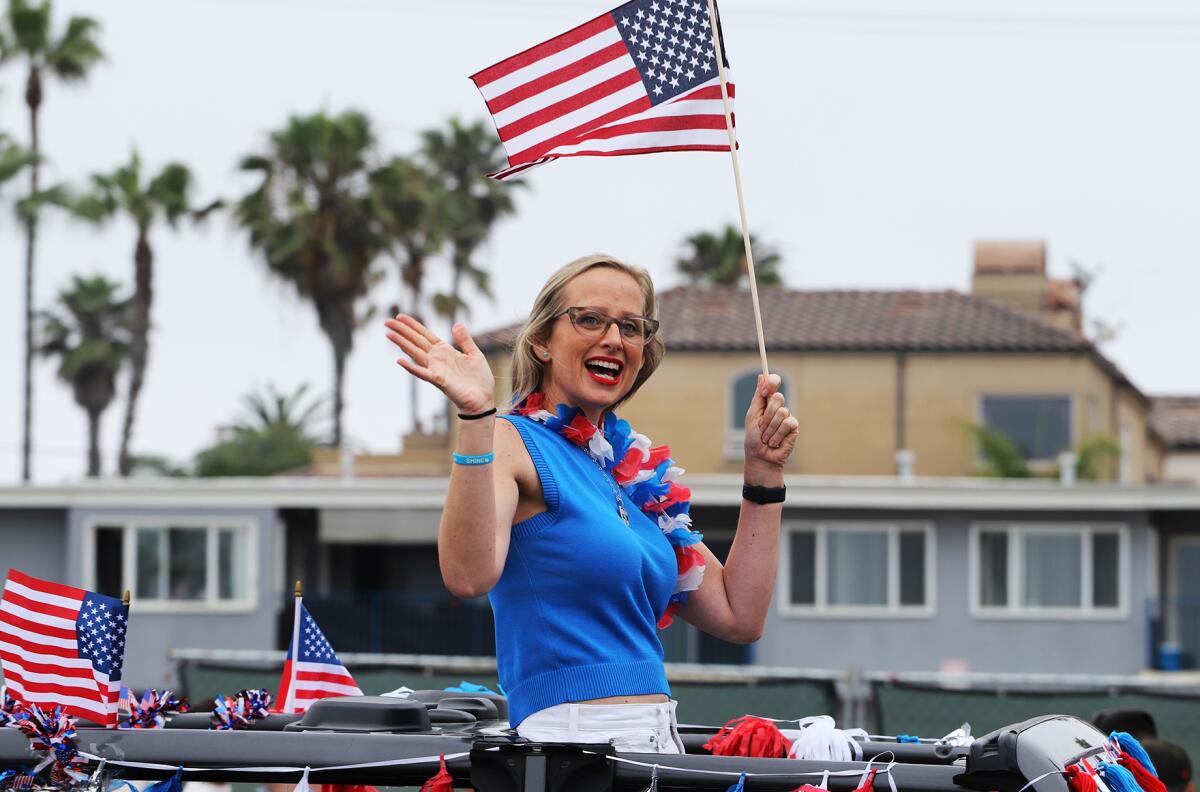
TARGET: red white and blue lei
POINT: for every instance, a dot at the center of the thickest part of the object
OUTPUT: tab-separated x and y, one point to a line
648	476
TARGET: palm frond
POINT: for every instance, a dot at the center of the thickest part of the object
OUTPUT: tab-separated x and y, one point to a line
76	51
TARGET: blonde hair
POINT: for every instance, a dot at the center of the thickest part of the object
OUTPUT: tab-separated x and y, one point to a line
528	369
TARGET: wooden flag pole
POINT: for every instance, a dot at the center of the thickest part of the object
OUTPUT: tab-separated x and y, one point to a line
737	180
125	598
297	591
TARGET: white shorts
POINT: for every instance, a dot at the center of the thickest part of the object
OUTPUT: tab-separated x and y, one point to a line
630	728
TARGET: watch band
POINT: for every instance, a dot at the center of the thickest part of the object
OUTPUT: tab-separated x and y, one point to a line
763	495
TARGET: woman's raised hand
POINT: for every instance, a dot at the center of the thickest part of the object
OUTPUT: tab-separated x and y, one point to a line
771	429
465	377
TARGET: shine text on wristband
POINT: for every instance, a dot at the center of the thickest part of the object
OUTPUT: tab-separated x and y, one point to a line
474	459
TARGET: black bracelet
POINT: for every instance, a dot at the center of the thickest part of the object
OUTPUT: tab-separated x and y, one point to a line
763	495
476	416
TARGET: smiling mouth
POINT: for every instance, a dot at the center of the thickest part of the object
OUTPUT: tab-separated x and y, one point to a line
606	372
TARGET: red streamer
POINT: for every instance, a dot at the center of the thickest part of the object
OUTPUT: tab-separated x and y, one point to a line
442	782
868	783
749	736
1146	780
1079	780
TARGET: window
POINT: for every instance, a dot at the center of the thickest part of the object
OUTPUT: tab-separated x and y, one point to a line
1048	570
741	390
196	562
856	569
1039	426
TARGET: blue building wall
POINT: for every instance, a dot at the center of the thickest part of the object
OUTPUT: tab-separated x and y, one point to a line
988	644
35	542
152	631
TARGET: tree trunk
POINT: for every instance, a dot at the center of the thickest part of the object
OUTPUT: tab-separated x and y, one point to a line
93	467
33	98
415	312
458	265
139	347
339	373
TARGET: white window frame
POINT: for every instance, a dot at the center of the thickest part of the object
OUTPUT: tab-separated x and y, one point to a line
247	526
821	608
1038	465
1014	609
734	446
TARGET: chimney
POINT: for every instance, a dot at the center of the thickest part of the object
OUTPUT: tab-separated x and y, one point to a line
1013	273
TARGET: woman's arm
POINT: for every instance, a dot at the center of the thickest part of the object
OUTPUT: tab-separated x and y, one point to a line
477	519
733	600
482	499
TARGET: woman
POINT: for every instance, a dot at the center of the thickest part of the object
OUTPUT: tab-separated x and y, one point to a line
576	527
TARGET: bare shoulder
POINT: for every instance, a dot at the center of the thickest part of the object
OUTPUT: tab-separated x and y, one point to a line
513	461
511	455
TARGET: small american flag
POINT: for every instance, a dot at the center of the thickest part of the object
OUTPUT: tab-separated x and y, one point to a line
639	79
62	645
312	670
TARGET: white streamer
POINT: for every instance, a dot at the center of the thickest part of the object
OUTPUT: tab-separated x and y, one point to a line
820	739
825	774
383	763
959	738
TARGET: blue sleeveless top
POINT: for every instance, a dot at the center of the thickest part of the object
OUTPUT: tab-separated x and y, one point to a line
581	592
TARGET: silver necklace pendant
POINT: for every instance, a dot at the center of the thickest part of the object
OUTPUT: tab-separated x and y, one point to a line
612	482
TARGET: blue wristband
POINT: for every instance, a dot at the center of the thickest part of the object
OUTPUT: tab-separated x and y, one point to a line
478	459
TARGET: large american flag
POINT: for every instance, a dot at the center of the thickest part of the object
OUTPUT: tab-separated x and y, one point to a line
639	79
61	645
312	670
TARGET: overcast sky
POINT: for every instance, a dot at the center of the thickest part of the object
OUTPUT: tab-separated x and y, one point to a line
879	140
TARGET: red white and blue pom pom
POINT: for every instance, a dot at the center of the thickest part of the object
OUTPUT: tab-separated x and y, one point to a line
53	731
151	711
8	710
648	476
240	711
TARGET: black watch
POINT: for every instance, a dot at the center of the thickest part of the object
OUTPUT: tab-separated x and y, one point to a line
763	495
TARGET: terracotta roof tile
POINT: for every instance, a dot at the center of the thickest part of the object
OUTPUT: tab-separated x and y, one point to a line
1177	420
711	319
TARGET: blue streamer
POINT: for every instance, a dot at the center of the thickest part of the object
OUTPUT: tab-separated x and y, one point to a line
1131	746
907	738
740	786
172	784
1118	778
470	687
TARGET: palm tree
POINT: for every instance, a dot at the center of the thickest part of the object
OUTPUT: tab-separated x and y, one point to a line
276	433
13	159
68	57
459	157
720	259
312	217
411	206
163	197
90	338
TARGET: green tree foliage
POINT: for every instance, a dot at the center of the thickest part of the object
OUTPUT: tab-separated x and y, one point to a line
27	37
164	197
720	259
89	335
459	157
1001	459
1094	455
276	433
999	456
13	159
312	216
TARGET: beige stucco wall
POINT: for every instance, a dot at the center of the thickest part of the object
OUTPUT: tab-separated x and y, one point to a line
846	403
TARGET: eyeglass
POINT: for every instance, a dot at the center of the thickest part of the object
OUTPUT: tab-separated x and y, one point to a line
592	323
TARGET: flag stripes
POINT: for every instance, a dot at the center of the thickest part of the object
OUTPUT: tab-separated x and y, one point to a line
601	80
62	646
312	670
